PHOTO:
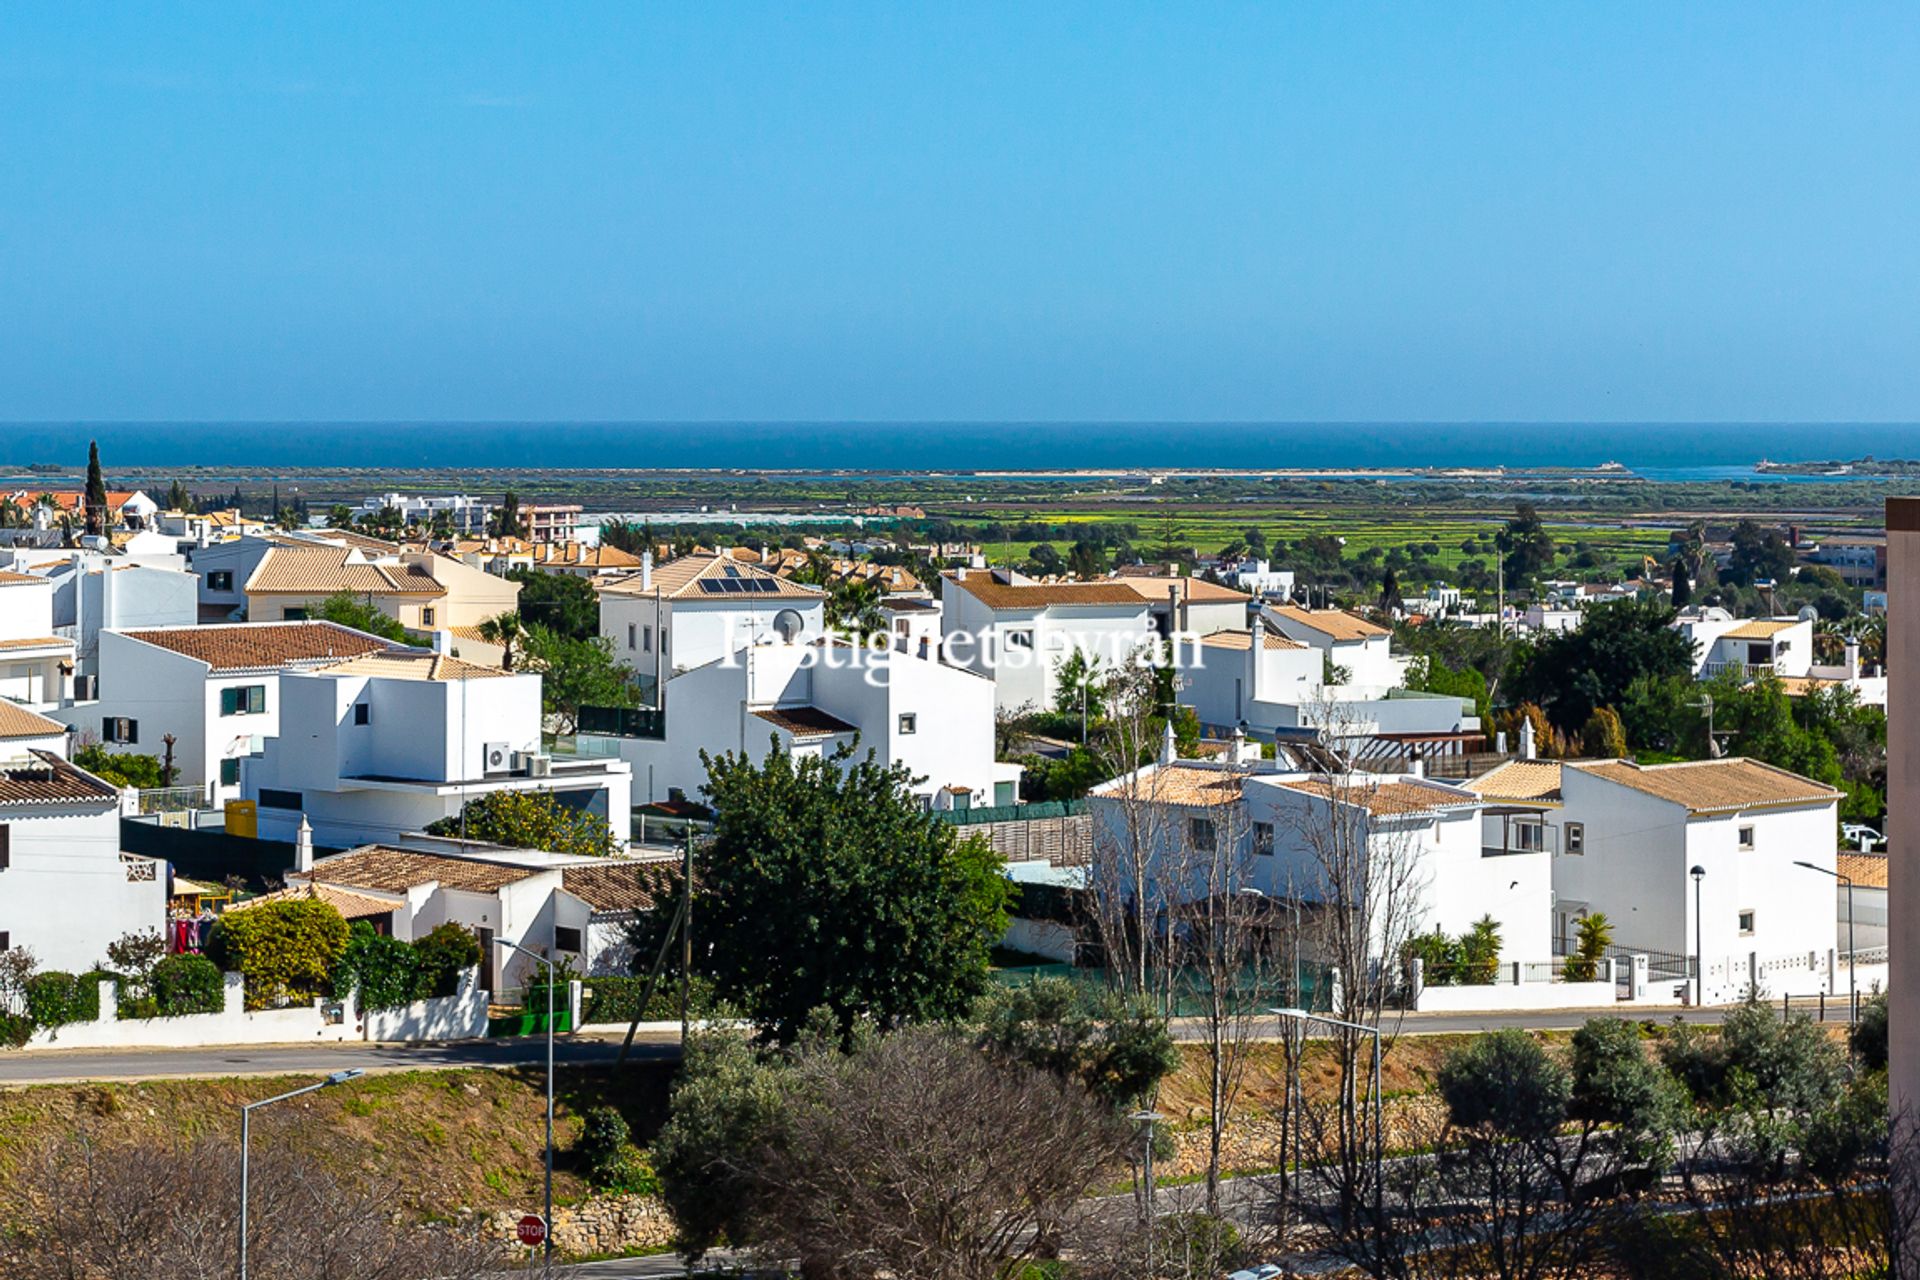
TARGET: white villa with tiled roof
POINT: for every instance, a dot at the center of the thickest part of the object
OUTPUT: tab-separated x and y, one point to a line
215	688
377	746
1364	648
1747	646
698	608
36	664
1016	631
1624	838
423	592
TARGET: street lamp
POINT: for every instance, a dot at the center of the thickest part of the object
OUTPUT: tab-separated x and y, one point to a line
1698	873
552	978
1146	1120
246	1142
1853	990
1379	1128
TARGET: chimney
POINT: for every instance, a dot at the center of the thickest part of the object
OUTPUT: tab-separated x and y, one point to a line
1853	659
443	643
303	846
646	569
1527	745
1169	749
1239	750
1417	763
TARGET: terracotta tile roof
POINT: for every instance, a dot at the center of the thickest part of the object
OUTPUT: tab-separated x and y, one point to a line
621	885
1715	786
1384	799
580	555
1519	780
388	870
1040	595
36	642
1194	590
1241	641
1801	686
1337	623
805	722
350	905
413	664
8	578
1866	870
18	722
681	580
1183	783
262	646
1760	629
48	779
350	538
325	569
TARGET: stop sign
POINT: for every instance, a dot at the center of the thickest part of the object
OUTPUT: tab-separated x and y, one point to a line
532	1231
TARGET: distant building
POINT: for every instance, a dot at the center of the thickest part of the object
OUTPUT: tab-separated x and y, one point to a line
551	522
464	514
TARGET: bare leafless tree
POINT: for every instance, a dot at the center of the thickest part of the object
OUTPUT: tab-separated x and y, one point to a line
133	1210
918	1155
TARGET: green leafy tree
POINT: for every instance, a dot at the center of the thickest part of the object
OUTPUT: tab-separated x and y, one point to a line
1526	545
506	518
853	605
1480	951
629	536
1618	642
1504	1084
1603	737
1076	675
350	611
560	602
380	970
1117	1048
96	496
504	630
1869	1035
1429	674
286	950
575	674
441	957
1618	1088
187	984
1682	586
728	1104
1757	554
340	516
531	820
121	768
825	885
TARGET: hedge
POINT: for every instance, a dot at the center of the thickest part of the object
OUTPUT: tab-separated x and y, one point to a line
286	950
617	999
185	985
55	999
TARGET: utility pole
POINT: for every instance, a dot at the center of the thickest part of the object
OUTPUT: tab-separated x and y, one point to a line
686	942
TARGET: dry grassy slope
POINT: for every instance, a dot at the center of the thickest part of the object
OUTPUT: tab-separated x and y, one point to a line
444	1140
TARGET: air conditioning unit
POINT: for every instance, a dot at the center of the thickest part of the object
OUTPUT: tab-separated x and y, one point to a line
499	757
523	761
540	766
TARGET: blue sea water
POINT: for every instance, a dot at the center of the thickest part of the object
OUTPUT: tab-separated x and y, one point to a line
1665	451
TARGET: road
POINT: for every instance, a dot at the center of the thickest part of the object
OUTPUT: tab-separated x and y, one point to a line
63	1066
70	1066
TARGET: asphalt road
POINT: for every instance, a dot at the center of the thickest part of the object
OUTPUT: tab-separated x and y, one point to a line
68	1066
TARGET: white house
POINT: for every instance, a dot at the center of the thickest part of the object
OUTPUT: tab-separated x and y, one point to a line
914	624
567	909
1261	579
1747	646
36	663
223	569
376	746
66	890
93	593
1189	606
697	609
1363	649
467	515
1624	839
1552	617
810	698
1425	837
215	688
1017	632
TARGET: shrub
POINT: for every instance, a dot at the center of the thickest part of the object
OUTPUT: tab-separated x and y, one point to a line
618	999
441	957
612	1162
1869	1036
183	985
55	999
1594	937
287	950
382	972
15	1029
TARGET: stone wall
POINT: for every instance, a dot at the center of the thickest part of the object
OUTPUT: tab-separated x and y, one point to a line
601	1225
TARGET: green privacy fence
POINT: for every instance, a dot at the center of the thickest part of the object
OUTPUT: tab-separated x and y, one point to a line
1012	812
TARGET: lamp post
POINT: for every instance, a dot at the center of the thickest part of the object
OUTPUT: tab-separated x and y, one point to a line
1379	1129
552	978
1853	990
246	1143
1698	873
1146	1120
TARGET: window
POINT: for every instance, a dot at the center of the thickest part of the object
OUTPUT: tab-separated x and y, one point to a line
296	614
120	729
1746	923
270	798
1746	837
1200	833
247	700
363	713
1263	839
633	636
6	940
6	846
1019	639
646	639
909	722
426	617
1529	837
230	772
565	939
221	580
1576	838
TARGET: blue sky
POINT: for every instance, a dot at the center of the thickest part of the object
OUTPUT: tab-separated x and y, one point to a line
1269	212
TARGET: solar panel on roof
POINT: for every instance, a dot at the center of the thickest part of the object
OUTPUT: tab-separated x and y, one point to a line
710	586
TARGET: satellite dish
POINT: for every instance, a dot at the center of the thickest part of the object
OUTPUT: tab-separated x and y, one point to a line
788	624
1808	613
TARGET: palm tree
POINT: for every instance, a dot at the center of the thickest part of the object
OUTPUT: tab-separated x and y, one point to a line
504	630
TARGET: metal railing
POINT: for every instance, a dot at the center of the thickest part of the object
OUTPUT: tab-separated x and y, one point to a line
170	799
623	722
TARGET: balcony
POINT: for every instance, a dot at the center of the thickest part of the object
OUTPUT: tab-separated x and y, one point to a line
1746	669
623	722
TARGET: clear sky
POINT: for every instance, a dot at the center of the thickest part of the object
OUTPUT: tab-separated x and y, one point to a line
904	211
